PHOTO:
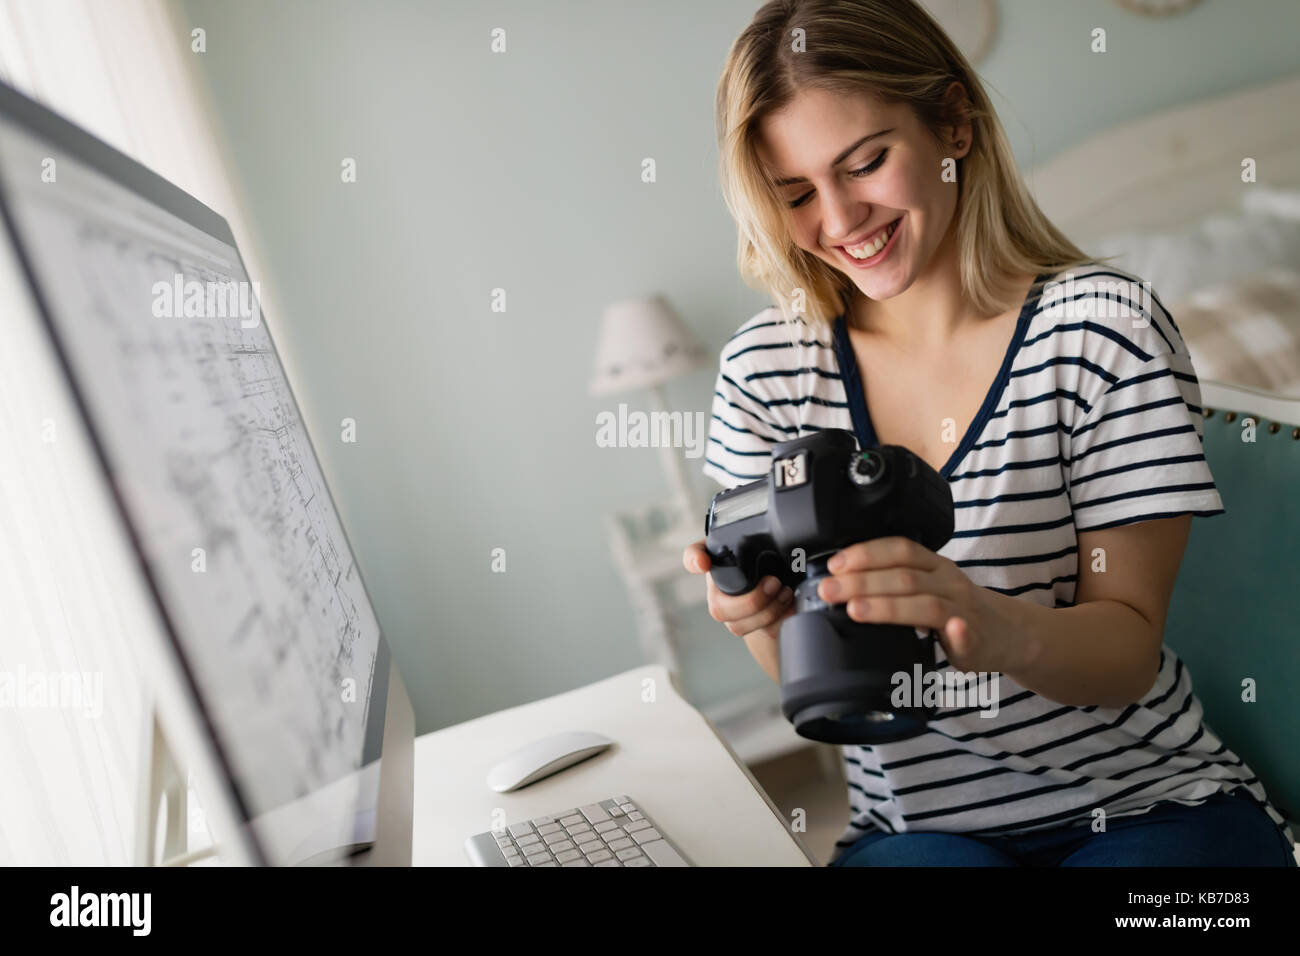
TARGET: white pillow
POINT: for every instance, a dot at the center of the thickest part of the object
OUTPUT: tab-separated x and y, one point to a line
1220	248
1268	201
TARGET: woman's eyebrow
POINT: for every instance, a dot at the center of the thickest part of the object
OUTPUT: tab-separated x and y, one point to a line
791	180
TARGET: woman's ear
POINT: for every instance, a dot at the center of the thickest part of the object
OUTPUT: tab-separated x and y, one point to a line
960	130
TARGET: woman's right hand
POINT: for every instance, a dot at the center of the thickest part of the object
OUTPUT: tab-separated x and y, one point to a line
755	616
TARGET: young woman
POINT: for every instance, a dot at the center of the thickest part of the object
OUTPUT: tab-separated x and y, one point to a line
924	300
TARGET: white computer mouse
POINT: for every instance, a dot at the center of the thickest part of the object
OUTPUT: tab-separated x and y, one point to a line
543	757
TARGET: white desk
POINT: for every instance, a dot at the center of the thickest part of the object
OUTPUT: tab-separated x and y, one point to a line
666	757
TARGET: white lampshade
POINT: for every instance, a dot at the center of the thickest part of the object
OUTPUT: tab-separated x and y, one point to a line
642	343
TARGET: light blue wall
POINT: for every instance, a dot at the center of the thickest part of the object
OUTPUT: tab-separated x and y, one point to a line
1051	90
522	171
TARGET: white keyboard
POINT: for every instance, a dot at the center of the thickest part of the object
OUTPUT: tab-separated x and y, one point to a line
613	832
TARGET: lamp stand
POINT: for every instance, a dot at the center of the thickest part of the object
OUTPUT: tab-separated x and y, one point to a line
683	500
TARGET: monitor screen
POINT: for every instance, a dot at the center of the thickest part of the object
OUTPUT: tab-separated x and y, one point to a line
161	334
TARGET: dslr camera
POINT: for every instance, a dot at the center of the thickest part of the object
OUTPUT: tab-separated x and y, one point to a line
821	495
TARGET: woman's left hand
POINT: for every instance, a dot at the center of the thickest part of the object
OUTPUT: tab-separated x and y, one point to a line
895	580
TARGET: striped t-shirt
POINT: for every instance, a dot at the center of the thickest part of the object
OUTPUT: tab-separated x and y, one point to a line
1093	421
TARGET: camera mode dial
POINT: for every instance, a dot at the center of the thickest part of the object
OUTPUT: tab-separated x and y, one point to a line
866	468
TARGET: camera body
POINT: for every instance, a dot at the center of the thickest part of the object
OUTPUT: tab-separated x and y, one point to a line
821	495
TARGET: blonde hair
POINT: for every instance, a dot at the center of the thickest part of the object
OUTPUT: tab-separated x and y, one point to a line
893	50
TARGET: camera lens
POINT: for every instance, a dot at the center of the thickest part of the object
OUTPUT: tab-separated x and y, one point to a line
870	717
839	678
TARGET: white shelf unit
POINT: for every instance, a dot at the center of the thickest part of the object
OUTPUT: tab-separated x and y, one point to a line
647	545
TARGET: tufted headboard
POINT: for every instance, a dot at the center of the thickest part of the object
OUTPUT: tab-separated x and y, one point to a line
1235	612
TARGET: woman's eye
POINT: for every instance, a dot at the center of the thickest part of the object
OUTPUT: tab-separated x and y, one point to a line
872	166
866	170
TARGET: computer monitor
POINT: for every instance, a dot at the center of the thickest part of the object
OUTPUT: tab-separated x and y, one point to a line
271	674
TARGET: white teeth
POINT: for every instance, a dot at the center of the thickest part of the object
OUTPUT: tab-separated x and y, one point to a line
869	249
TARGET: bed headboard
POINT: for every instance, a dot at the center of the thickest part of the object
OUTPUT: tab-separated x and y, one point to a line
1174	166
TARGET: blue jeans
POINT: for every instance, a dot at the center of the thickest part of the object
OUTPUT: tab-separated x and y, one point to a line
1228	829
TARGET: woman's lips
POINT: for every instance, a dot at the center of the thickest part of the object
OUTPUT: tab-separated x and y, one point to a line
879	256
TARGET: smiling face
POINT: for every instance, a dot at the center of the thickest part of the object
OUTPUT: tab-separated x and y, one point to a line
887	181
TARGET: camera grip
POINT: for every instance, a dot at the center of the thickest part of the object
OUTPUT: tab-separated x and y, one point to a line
741	575
731	579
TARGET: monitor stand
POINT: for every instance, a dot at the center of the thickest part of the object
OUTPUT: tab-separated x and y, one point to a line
162	794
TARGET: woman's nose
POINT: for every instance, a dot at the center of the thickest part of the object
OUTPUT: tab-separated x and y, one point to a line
842	215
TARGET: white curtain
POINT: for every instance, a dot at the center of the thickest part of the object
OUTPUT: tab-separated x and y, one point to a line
71	599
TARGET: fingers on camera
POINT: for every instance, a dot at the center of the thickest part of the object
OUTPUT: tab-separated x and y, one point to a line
750	605
771	612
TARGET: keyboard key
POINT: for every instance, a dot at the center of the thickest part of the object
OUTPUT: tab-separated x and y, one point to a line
581	834
620	799
559	836
567	855
537	859
518	861
609	863
636	815
629	854
519	829
600	855
639	861
546	828
622	844
594	813
591	846
662	853
617	812
645	836
570	821
576	863
542	821
552	863
639	825
529	840
561	846
605	826
510	850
